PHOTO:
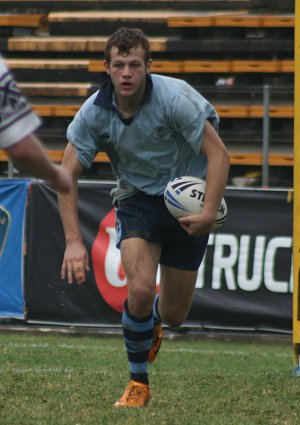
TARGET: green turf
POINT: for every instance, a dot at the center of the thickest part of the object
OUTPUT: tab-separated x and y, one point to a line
69	380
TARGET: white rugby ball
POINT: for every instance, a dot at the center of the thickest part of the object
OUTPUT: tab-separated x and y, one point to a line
185	195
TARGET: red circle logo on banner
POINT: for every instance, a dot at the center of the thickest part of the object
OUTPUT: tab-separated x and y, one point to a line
108	270
109	274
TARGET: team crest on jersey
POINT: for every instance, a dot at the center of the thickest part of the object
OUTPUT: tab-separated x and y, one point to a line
161	132
5	220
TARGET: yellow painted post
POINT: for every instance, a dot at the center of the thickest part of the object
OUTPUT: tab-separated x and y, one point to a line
296	200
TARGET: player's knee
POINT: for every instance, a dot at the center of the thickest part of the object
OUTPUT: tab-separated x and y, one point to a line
141	300
144	296
173	319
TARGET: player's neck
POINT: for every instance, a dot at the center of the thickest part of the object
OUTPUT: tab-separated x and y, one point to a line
127	109
128	105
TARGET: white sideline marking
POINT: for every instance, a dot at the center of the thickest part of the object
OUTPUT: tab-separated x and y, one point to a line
167	350
60	370
229	352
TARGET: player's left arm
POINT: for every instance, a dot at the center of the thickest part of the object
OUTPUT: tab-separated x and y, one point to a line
216	179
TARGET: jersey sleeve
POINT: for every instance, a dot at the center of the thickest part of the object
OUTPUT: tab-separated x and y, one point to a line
17	120
80	135
190	111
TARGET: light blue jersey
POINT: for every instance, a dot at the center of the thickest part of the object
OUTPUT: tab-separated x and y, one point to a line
161	142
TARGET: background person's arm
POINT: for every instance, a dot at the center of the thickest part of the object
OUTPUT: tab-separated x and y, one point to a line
29	156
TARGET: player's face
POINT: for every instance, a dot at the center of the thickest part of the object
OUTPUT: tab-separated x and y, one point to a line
128	72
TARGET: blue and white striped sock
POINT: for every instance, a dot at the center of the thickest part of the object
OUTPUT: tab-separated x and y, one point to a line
156	315
138	333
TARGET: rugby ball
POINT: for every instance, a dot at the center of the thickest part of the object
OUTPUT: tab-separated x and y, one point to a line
185	196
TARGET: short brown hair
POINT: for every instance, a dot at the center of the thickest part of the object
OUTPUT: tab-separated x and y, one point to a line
125	39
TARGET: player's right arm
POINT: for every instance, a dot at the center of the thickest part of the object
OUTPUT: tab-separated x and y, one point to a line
76	261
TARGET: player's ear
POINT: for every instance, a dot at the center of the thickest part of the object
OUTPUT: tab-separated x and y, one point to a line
148	66
106	67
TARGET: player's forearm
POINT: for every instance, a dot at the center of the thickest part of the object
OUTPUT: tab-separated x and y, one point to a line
29	156
216	180
68	203
217	169
68	208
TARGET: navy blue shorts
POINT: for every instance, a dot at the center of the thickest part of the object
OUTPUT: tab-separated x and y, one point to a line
146	216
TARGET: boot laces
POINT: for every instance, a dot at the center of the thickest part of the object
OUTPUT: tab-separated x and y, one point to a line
135	393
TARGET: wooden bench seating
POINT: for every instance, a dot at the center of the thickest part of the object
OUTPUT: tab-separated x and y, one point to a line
171	18
47	63
22	20
56	110
159	66
153	22
226	20
234	43
163	66
57	156
56	89
176	19
263	66
179	5
237	66
275	159
240	107
50	70
86	20
225	111
171	45
254	111
71	44
194	66
236	95
95	65
127	16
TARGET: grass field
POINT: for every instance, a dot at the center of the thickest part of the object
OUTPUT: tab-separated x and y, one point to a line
70	380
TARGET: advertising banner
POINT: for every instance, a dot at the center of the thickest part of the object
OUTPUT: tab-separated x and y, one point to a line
13	194
48	297
244	282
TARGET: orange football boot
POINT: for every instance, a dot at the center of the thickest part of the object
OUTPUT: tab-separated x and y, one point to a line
136	394
156	343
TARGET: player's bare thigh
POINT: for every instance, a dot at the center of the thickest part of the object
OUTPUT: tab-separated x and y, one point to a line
176	294
140	261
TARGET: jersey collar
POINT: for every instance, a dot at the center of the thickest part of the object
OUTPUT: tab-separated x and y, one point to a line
105	96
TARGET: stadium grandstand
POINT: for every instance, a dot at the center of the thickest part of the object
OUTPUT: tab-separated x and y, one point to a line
238	53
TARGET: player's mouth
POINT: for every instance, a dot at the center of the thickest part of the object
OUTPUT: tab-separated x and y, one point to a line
126	86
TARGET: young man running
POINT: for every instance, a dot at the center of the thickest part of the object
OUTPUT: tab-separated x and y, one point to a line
153	128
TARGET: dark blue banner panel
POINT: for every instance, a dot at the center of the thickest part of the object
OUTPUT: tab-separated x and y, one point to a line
245	281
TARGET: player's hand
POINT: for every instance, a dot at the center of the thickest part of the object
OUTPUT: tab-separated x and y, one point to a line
75	263
197	224
61	180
